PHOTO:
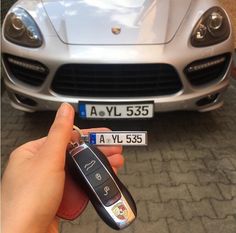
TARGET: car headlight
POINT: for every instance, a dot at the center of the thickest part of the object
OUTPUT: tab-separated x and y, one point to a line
20	28
212	28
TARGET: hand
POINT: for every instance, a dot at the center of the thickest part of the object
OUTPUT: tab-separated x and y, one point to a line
33	182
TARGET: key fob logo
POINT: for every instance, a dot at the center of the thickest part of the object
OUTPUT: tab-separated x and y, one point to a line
120	211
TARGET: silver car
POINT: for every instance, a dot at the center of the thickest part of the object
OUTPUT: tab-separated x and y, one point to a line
117	59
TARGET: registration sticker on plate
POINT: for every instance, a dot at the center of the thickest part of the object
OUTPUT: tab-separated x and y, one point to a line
97	110
124	138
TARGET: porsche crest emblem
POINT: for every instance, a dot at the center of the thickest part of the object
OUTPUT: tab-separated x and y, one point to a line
116	30
120	211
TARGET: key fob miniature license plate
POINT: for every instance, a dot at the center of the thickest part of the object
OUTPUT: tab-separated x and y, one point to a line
98	110
123	138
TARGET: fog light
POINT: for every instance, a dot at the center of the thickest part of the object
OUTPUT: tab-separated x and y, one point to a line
25	100
26	65
207	100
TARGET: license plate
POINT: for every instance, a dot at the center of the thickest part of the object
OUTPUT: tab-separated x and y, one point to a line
92	110
124	138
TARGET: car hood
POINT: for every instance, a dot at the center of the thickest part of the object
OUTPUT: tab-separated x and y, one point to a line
132	22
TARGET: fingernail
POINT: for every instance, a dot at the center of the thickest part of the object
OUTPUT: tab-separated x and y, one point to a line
64	110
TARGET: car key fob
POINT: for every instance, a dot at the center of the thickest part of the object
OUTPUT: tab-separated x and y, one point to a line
111	199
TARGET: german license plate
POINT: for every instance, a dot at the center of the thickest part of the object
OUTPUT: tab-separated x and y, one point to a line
95	110
124	138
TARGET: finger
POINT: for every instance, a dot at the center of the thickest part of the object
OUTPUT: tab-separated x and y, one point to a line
110	150
116	160
60	132
75	137
102	129
115	170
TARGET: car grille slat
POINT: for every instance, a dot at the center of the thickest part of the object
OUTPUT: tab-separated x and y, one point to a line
29	78
124	89
126	82
116	80
34	76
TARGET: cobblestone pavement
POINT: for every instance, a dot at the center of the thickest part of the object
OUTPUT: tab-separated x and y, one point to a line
184	181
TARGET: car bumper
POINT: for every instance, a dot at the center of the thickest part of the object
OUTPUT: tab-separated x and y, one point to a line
179	101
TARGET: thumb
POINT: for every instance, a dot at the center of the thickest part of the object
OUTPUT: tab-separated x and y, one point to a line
60	132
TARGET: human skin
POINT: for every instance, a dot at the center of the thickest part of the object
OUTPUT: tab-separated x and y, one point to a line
33	182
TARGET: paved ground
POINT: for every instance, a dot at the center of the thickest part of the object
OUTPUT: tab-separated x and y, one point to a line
184	181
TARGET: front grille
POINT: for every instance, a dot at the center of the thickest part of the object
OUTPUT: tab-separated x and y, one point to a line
28	71
207	70
116	80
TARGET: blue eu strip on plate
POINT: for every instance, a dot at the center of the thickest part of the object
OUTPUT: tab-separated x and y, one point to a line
82	110
92	138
